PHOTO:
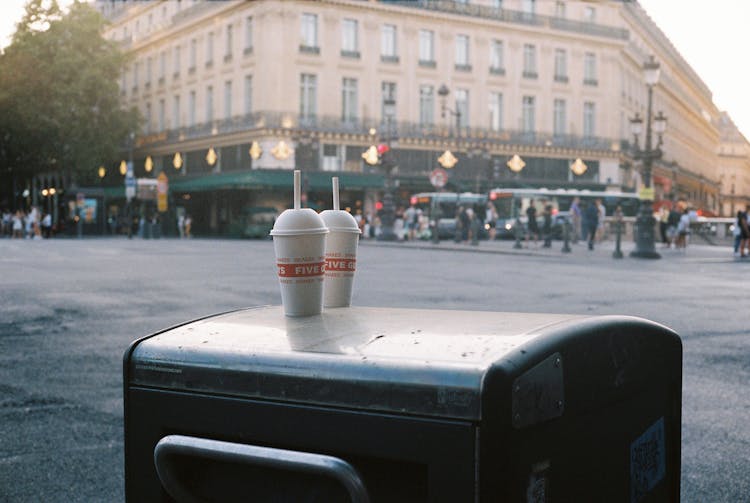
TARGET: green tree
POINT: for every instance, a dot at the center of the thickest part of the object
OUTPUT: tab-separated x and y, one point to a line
60	110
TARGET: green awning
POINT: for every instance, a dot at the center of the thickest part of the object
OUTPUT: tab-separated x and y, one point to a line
276	179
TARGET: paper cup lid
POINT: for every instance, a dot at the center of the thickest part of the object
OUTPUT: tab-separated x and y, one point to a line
340	221
297	222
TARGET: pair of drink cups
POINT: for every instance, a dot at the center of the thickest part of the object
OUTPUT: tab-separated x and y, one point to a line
316	256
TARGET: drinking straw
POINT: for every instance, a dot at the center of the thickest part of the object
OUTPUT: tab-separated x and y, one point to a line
335	181
297	189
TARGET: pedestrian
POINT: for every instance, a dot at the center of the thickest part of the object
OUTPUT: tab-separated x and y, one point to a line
47	226
683	230
547	226
672	222
466	218
398	224
411	220
575	217
459	217
490	218
532	226
664	225
18	225
602	211
181	225
591	222
744	230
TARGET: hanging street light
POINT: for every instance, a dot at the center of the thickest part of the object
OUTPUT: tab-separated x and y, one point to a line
516	164
447	159
578	167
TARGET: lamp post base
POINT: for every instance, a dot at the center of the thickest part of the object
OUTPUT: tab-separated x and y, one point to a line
644	233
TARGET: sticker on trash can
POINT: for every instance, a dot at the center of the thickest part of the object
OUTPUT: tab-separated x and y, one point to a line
647	461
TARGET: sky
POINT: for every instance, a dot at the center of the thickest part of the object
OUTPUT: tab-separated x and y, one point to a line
712	36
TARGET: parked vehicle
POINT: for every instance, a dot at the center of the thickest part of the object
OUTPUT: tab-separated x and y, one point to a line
255	222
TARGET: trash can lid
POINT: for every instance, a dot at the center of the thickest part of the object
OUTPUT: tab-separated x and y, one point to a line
414	361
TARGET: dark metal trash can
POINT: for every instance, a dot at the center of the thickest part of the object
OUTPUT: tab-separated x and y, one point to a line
388	405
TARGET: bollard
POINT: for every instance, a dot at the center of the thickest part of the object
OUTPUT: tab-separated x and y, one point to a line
618	234
517	234
435	236
566	237
475	231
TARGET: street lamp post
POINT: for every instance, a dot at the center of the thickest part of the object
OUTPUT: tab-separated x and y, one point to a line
388	213
644	226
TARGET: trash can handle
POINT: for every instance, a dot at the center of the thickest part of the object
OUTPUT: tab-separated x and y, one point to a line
307	462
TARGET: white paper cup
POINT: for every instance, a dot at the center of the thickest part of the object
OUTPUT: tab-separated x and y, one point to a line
299	238
340	256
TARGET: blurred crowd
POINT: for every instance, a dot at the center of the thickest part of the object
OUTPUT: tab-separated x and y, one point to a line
21	225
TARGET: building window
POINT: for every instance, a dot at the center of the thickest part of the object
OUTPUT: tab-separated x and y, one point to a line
561	65
426	105
191	109
559	119
349	100
124	83
136	67
210	49
148	118
209	103
528	118
176	63
176	111
229	43
589	14
496	57
388	48
427	48
162	111
331	157
528	7
148	72
248	94
560	9
496	111
388	92
248	35
462	107
589	119
193	54
162	66
309	33
497	4
589	69
228	99
349	38
529	61
462	53
308	97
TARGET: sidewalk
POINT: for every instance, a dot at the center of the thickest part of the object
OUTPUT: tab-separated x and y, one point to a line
603	249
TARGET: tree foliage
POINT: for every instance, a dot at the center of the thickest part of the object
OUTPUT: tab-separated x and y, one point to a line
59	98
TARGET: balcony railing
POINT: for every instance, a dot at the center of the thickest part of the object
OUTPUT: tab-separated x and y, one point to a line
517	17
404	130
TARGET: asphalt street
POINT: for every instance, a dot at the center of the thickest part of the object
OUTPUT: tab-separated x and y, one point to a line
70	308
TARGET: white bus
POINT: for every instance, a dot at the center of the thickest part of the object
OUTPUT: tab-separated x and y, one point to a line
512	203
443	205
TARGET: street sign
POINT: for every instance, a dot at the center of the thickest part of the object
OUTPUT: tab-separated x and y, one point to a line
162	189
646	194
129	182
438	178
